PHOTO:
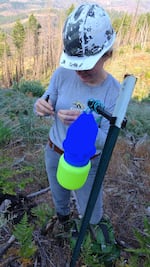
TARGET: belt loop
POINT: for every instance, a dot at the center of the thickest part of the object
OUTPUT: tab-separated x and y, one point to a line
52	146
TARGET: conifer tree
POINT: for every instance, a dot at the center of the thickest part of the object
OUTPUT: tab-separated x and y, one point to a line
4	60
18	35
34	32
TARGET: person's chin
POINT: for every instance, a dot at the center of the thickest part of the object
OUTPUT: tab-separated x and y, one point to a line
85	79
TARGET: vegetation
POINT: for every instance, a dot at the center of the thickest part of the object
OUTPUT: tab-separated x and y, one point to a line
21	173
138	119
97	251
23	232
5	134
141	254
31	52
32	88
43	212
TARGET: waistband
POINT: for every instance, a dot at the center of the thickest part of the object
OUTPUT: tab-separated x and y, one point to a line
60	151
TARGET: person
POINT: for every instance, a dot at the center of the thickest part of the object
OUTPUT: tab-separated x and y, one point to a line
88	39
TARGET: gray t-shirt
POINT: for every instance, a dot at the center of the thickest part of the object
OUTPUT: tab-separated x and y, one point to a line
67	91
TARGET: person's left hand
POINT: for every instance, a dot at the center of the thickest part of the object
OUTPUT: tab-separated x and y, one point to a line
68	116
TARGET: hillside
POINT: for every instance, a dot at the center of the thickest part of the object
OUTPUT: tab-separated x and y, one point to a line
11	10
14	7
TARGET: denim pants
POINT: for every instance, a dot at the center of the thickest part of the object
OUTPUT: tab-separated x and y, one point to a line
61	196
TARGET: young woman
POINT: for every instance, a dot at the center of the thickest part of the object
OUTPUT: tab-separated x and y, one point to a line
88	39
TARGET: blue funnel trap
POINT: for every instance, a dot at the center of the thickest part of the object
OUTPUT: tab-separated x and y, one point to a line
79	145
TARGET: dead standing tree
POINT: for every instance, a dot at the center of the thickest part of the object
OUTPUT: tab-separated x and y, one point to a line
33	34
6	78
51	43
143	30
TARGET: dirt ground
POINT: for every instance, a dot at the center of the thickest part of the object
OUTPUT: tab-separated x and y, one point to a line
126	202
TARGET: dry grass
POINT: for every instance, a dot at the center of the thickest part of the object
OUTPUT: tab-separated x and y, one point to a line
132	62
126	188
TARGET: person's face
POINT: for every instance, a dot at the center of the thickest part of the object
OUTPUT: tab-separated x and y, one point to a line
94	75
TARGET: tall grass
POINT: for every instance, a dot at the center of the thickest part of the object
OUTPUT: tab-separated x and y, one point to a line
138	118
18	121
17	113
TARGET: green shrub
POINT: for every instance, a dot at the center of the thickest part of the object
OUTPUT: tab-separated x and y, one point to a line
33	88
43	212
5	133
99	246
147	75
137	47
138	118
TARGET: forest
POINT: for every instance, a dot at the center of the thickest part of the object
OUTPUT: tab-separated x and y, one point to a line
30	50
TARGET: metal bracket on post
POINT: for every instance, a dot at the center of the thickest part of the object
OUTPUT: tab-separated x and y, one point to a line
96	106
115	125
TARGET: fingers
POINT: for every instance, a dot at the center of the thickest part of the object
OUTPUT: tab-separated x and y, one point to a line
68	116
44	108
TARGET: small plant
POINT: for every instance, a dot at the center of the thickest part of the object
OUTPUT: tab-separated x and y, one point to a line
43	213
140	257
97	251
138	119
23	233
8	184
5	134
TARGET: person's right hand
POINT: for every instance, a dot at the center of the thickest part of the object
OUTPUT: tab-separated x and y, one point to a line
43	107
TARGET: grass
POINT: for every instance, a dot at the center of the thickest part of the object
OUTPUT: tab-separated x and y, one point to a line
138	118
22	137
17	119
17	115
132	62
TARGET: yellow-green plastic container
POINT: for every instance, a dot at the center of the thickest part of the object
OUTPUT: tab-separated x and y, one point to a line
72	177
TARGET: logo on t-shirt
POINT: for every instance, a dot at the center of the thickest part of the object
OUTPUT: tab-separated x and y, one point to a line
78	106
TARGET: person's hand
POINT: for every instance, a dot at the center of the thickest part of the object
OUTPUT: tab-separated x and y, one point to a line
68	116
43	107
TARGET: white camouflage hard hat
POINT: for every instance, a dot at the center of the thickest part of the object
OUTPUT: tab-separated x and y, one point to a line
87	36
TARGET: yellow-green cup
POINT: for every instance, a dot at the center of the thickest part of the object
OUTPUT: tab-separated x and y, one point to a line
72	177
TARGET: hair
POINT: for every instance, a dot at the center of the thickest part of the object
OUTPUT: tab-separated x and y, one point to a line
109	53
